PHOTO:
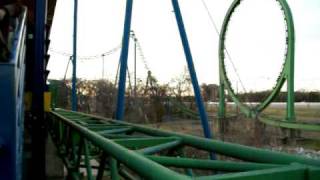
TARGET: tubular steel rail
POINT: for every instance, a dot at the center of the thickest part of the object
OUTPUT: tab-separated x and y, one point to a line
116	149
286	75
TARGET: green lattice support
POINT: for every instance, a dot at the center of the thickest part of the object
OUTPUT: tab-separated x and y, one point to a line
123	150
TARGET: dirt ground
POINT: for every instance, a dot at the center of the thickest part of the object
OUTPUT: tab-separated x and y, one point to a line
249	132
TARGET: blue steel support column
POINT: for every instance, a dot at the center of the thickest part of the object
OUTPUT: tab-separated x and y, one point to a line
124	61
38	130
74	98
196	88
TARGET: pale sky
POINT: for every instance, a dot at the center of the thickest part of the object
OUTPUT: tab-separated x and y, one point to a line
255	40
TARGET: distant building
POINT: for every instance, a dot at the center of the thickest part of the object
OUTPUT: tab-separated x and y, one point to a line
210	92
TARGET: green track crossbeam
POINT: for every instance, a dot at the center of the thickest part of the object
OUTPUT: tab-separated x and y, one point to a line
295	172
121	150
290	125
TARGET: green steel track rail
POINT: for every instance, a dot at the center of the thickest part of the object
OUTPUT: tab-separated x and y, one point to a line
305	126
120	150
286	75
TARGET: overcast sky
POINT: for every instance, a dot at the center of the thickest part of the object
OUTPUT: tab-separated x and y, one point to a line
255	40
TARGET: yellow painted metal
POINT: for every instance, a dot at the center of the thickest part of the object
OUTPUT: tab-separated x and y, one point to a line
27	101
47	101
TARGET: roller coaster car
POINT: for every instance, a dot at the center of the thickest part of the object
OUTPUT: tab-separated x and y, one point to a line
8	23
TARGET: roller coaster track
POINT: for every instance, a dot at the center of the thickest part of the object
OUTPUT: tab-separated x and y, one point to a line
117	149
286	75
120	150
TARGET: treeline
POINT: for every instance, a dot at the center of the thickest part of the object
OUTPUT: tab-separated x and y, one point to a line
300	96
148	101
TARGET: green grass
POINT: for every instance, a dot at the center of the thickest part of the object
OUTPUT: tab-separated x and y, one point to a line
302	114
